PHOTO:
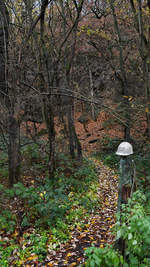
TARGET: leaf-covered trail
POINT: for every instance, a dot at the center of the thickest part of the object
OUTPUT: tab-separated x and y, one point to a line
97	230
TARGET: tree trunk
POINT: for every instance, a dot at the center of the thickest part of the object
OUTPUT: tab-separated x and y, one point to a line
144	44
127	122
49	120
74	142
14	150
4	24
13	123
51	134
78	145
122	77
70	131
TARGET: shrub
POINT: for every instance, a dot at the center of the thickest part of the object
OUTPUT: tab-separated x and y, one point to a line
7	221
103	257
134	231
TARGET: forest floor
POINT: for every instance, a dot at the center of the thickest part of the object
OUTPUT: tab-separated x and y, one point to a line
97	230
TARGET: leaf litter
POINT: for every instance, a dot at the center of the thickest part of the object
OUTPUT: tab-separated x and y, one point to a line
96	230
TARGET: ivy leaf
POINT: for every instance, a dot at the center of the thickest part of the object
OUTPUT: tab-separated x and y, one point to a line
118	234
130	236
134	261
92	263
97	260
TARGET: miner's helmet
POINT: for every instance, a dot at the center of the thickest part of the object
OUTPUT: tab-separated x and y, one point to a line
124	149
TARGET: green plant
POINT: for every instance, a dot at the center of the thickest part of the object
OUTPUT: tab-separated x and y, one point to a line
34	245
7	221
38	244
3	164
109	144
111	160
5	254
142	163
103	257
31	151
134	231
60	233
48	203
55	207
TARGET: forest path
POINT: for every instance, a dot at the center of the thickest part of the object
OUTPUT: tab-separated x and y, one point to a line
97	230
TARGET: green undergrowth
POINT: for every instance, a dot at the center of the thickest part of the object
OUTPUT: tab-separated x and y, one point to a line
107	149
33	159
133	232
51	208
132	229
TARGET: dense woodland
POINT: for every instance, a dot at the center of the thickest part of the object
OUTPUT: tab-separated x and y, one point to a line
74	83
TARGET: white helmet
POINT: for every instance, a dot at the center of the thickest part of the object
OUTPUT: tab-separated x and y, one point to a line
124	149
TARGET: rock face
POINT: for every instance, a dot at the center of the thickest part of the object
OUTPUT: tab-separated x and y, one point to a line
97	76
92	78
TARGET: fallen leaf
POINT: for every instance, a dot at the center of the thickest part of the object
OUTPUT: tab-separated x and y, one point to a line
73	264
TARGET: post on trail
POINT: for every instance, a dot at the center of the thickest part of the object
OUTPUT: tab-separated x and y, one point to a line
127	173
126	183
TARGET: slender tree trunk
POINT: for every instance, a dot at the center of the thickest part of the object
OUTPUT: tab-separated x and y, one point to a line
51	134
128	122
49	120
122	78
47	102
4	25
144	48
91	91
14	150
13	123
78	145
67	62
144	52
74	142
70	130
76	139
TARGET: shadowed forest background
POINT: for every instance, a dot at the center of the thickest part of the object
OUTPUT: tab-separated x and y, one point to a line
74	83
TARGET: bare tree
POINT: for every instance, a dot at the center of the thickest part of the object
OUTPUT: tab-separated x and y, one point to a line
7	102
